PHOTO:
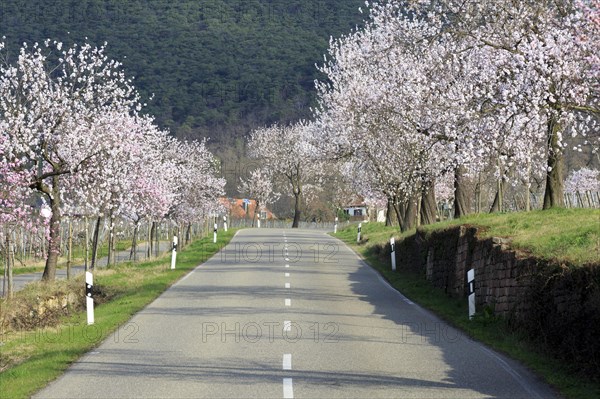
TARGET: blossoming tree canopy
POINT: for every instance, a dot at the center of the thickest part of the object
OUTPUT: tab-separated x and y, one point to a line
259	186
71	135
459	85
288	153
53	102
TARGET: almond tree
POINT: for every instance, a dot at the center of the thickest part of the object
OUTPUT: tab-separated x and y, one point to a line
259	186
584	181
288	153
198	187
17	210
455	85
545	56
53	109
377	107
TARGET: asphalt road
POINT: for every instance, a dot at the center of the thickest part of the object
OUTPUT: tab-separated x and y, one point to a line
246	325
20	280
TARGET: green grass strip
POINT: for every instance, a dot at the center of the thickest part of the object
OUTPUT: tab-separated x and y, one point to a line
493	331
44	354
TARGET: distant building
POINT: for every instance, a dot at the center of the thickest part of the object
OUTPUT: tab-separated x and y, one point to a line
245	209
356	210
359	210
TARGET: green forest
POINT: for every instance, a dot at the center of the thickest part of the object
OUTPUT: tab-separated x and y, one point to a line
206	68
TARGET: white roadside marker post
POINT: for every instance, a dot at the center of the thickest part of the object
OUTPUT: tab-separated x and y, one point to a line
174	253
358	235
335	225
89	300
215	234
471	282
225	223
393	253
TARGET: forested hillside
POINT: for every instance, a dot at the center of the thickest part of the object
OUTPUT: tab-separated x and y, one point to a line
216	67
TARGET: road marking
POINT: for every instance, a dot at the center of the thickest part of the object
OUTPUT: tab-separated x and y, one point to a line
287	259
509	370
288	302
287	274
288	285
287	325
287	265
287	361
288	389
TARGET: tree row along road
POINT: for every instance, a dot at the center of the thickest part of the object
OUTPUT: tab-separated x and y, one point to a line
290	313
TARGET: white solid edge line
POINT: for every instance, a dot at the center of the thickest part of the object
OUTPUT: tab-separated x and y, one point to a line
288	302
288	389
287	361
288	285
287	274
507	367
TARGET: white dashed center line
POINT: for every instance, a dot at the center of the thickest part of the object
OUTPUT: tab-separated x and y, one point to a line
288	389
287	361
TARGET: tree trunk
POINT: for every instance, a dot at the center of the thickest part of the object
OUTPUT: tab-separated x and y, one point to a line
553	195
5	277
497	205
462	205
157	244
297	211
389	210
478	194
152	238
410	215
70	250
399	210
528	188
87	243
9	266
111	242
133	251
589	199
418	215
149	246
428	205
188	234
54	236
462	200
95	243
579	200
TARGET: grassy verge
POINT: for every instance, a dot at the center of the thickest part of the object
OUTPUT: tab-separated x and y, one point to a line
569	235
555	230
30	360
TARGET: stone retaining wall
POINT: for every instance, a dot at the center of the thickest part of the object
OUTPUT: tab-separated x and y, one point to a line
555	304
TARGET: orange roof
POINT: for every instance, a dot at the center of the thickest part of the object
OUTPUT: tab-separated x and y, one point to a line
235	208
